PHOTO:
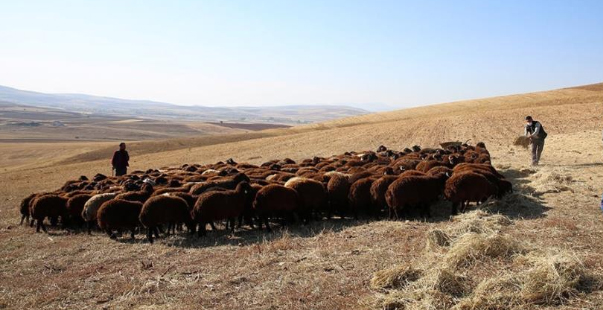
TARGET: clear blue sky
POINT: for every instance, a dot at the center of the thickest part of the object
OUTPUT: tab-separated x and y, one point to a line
218	53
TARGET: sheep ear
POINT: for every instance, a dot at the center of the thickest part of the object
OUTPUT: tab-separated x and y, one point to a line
447	174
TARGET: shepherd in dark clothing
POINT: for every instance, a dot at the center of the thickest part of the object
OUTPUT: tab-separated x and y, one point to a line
536	133
120	160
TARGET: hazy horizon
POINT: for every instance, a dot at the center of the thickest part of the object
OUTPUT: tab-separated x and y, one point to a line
268	53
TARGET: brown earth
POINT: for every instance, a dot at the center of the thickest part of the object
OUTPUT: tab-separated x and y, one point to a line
326	265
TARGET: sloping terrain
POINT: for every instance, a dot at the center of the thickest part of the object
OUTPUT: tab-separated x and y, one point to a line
115	107
326	265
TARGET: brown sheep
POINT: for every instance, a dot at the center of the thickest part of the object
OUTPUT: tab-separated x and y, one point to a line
118	214
359	175
411	173
275	200
75	206
220	205
464	188
378	189
52	206
158	210
473	167
338	189
439	170
162	191
141	196
24	208
360	198
312	196
90	211
414	191
224	182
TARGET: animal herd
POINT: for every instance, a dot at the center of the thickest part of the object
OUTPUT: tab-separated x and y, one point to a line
370	184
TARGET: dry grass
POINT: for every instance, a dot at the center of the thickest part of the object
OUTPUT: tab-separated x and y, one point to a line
472	247
521	276
553	278
395	277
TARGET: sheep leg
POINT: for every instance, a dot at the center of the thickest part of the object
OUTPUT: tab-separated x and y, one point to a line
31	224
89	227
240	223
260	219
150	235
267	225
232	224
249	221
455	210
156	232
211	224
111	234
22	219
38	226
202	231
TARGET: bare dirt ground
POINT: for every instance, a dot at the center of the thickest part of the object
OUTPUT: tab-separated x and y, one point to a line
326	265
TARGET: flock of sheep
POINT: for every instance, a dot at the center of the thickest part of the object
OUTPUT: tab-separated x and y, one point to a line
368	184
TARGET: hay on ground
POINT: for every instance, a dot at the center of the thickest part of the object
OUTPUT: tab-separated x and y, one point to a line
553	279
395	278
471	247
437	238
501	292
445	280
417	300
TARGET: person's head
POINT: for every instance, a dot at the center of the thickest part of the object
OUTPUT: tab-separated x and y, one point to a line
122	146
529	120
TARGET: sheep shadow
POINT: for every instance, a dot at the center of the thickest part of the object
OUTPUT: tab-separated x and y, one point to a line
249	236
523	202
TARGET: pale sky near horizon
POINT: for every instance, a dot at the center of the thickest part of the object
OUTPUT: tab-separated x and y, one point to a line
243	53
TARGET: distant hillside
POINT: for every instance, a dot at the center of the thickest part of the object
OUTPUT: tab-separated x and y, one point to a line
300	114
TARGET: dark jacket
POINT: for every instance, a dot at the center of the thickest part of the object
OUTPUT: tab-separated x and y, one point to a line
538	129
120	159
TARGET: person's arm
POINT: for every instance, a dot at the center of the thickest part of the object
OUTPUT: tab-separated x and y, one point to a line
113	159
127	159
525	131
536	130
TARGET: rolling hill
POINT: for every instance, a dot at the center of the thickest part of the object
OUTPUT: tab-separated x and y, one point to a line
106	106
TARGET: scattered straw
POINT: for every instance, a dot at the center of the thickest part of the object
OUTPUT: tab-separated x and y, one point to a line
446	281
553	279
437	238
499	292
471	247
394	278
551	181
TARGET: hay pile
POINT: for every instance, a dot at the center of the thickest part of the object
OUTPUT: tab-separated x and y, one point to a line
473	264
550	180
522	141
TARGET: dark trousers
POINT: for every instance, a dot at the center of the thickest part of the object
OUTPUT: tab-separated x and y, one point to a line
121	171
537	146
